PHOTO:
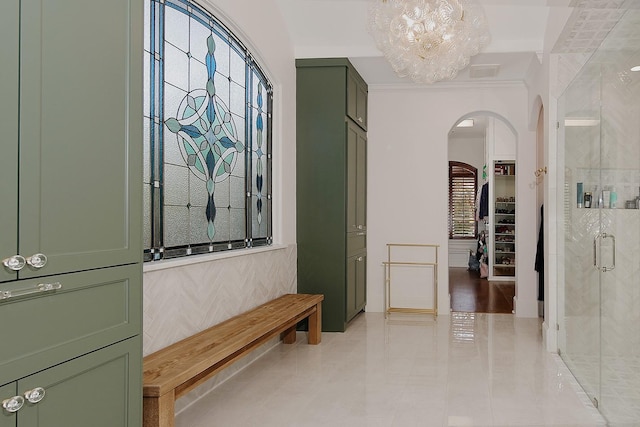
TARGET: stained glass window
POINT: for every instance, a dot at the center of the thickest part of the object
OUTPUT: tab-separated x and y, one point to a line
207	172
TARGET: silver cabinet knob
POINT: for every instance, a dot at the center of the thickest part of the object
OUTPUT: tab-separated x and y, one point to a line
35	395
13	404
37	260
14	263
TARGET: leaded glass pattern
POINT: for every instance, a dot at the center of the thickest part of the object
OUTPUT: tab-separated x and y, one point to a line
208	131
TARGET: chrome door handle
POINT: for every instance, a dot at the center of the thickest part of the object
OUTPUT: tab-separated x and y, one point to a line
595	244
42	287
37	260
34	395
13	404
613	239
14	263
595	251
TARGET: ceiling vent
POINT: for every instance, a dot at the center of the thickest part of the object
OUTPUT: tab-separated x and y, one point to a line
479	71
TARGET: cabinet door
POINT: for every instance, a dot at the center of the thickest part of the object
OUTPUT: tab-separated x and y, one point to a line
356	99
9	25
361	103
356	284
361	281
361	181
80	133
7	419
352	272
100	389
356	178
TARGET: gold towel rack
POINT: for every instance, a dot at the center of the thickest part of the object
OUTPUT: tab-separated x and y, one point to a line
411	259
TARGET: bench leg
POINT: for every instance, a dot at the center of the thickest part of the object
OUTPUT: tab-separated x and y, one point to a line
315	325
159	411
289	335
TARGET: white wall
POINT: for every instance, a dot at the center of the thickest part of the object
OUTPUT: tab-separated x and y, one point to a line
184	296
408	177
544	90
469	150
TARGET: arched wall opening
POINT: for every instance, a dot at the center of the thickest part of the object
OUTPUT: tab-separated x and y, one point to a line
488	142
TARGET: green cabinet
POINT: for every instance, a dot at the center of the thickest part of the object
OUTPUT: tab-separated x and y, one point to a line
71	212
331	187
70	166
98	390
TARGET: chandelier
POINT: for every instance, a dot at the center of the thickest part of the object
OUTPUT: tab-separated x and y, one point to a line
428	40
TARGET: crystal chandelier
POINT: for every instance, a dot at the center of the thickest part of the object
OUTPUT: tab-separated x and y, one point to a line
428	40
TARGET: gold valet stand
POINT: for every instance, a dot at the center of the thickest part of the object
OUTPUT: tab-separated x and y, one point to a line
410	261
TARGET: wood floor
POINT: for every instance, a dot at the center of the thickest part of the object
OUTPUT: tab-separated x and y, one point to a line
470	293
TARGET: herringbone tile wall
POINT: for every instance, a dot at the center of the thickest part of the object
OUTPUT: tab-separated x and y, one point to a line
181	301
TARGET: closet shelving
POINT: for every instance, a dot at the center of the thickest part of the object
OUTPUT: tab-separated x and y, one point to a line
505	236
504	220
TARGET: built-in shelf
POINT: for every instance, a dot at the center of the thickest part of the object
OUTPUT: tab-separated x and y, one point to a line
503	222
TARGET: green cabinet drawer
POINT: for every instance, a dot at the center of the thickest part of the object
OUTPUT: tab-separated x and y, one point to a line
92	309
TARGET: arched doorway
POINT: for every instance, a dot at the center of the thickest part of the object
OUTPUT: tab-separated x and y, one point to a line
486	142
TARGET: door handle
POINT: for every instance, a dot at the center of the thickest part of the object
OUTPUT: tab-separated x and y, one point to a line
595	252
14	263
42	287
613	239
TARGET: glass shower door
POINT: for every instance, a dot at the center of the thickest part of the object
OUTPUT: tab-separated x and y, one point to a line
599	264
580	281
620	285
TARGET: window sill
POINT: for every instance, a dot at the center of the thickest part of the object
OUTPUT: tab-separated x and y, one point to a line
197	259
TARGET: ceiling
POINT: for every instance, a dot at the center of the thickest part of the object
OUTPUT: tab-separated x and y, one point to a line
521	30
337	28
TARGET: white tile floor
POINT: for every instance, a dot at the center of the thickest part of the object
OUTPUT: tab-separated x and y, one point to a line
462	370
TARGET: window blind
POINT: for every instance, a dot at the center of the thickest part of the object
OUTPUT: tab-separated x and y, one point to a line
462	198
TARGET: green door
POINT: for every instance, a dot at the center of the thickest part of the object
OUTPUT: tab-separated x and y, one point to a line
100	389
352	176
356	178
9	25
361	281
80	133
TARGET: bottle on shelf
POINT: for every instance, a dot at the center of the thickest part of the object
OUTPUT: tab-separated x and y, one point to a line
613	198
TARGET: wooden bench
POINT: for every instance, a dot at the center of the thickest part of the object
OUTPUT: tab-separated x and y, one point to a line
174	370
